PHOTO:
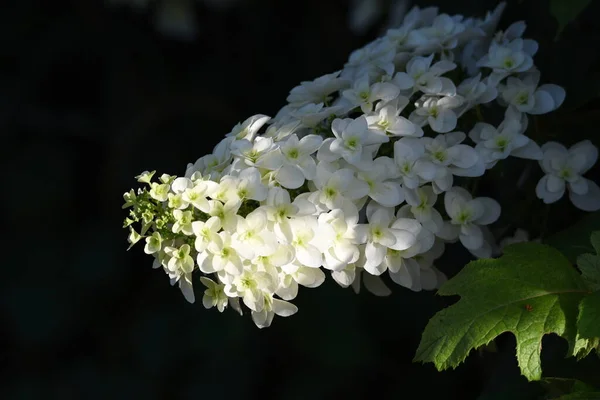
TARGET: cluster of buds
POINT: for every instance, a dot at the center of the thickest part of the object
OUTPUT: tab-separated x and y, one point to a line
359	174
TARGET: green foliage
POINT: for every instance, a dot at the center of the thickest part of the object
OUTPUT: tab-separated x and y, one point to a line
588	323
566	388
566	11
530	291
580	396
589	264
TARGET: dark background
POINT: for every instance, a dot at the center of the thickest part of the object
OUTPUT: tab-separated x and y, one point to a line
90	96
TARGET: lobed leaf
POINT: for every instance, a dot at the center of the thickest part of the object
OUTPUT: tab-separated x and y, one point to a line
588	323
530	291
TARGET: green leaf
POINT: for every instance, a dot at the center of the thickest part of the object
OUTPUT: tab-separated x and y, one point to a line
556	387
583	347
589	264
530	291
580	396
566	11
588	323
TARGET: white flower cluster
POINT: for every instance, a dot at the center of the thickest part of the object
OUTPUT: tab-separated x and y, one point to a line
347	176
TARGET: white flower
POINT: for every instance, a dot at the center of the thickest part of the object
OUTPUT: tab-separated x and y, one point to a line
338	241
379	236
428	276
179	268
373	59
249	128
293	160
153	243
437	112
272	307
321	185
413	169
564	168
304	240
183	222
382	188
514	31
198	193
338	186
525	96
387	121
476	91
280	208
403	268
508	140
227	213
279	131
249	185
441	36
450	157
226	190
175	200
364	94
345	277
180	185
318	90
214	296
351	136
211	165
251	285
467	214
184	281
252	238
420	204
159	191
507	59
310	115
293	275
421	75
205	232
251	153
180	259
220	255
373	283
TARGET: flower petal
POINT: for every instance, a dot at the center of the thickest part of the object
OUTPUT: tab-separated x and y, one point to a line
375	285
589	201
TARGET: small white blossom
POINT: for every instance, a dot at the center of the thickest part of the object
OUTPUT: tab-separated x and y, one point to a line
564	169
214	295
450	158
413	168
364	95
468	214
220	255
437	112
508	140
351	136
249	128
387	121
379	236
525	95
420	204
507	59
421	76
318	90
338	240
